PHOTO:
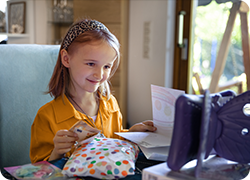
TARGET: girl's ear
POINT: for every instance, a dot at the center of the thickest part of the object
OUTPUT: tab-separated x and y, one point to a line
65	58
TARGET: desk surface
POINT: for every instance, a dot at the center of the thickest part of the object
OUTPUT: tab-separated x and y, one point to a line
214	168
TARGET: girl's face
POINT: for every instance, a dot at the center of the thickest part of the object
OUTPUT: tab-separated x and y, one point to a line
89	65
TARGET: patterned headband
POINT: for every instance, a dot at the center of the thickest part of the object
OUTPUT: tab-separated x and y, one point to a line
80	28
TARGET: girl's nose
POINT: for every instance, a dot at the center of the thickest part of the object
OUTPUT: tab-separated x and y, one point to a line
98	74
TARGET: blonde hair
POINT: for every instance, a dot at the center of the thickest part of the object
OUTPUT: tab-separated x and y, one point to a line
60	79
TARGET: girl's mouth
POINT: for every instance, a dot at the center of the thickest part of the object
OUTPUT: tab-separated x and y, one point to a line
93	82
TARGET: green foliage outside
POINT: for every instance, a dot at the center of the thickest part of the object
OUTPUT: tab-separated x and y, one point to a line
210	25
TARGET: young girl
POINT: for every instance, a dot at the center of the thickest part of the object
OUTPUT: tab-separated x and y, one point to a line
88	57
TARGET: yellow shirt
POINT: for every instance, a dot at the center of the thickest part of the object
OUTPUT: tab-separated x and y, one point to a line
57	115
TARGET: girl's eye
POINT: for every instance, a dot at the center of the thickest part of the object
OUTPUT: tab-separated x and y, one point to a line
90	64
107	67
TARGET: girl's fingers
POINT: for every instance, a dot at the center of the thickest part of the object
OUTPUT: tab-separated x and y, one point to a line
66	133
150	128
65	136
63	142
62	148
148	123
64	145
65	139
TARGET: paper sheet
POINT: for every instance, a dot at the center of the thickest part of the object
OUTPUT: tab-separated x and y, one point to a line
146	139
163	106
155	145
158	153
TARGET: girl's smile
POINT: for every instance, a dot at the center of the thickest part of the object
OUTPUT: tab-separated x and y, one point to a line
93	81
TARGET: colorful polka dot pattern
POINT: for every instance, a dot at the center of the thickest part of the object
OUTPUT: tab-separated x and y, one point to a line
103	158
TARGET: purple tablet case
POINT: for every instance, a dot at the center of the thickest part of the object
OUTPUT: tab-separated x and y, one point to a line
204	122
185	137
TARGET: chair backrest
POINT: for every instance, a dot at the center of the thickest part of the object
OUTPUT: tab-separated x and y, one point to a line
221	87
25	71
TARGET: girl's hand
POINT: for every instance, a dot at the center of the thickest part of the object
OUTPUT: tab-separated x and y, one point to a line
63	142
147	125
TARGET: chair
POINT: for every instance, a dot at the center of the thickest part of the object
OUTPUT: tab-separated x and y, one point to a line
227	85
25	71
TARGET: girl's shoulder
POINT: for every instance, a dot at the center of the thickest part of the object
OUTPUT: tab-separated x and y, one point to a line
46	107
55	105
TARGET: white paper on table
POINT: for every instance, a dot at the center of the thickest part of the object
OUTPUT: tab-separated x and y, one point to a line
158	153
146	139
153	145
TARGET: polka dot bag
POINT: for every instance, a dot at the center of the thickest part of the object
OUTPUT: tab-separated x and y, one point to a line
103	158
